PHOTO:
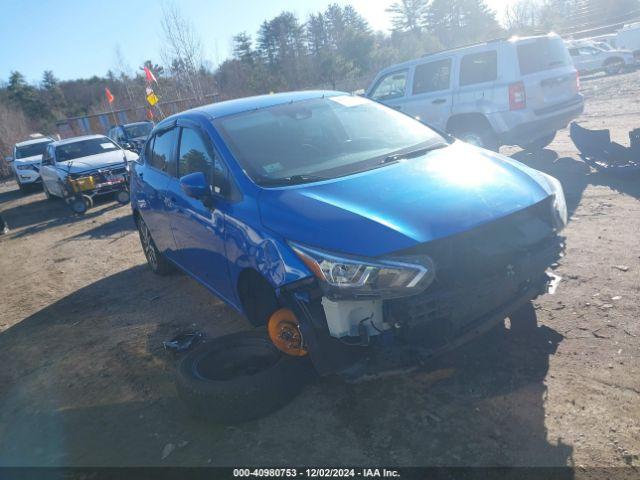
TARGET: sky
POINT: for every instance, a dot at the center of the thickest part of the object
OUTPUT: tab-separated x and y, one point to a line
79	38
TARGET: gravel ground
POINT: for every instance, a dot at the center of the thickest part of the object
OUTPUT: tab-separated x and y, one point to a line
84	380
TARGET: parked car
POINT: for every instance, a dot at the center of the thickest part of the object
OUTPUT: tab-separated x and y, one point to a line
505	92
80	168
591	58
131	135
25	161
344	226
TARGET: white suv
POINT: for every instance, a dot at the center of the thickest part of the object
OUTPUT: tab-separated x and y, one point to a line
26	160
518	91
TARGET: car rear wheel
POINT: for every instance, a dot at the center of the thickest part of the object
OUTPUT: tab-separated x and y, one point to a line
484	138
539	144
156	260
239	377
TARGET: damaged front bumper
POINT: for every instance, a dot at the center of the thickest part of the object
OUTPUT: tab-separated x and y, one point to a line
473	291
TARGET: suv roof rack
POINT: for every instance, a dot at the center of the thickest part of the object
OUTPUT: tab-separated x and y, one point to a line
493	40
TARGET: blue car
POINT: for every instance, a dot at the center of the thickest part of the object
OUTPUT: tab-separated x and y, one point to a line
350	230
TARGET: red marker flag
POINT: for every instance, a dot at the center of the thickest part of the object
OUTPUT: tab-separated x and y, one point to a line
110	97
150	76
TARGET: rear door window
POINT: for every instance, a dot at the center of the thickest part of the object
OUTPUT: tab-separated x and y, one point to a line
542	54
479	68
162	150
432	76
390	86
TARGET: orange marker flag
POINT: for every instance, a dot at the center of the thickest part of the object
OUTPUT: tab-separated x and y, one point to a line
110	97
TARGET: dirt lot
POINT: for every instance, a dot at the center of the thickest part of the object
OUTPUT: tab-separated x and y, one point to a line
84	380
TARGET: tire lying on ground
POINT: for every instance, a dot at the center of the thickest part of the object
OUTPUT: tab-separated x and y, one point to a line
239	377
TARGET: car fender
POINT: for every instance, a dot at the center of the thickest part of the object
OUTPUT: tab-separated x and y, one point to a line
270	256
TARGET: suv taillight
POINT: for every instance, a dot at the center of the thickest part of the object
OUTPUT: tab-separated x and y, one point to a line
577	81
517	96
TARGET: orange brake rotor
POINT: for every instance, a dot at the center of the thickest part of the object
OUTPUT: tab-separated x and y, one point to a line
285	333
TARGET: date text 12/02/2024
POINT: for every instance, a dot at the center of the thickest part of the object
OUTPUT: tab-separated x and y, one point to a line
316	472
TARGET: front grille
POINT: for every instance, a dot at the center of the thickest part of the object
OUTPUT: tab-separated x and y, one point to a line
477	272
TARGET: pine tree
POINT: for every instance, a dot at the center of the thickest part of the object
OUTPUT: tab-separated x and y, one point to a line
459	22
406	15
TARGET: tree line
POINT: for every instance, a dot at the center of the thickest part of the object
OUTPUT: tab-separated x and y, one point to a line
333	48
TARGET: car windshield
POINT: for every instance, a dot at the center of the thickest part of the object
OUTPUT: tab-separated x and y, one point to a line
138	130
542	54
320	138
84	148
31	150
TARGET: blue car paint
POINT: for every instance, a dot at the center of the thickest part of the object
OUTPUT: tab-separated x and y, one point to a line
367	214
398	206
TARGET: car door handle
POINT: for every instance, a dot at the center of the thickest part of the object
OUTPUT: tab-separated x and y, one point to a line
438	101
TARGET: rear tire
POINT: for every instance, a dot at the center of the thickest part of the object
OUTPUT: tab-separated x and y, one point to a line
484	138
156	260
539	144
239	377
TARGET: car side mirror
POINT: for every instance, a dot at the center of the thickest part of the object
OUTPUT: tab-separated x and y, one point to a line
8	159
195	185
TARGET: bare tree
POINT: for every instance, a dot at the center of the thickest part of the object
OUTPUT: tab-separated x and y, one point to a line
182	52
523	16
123	70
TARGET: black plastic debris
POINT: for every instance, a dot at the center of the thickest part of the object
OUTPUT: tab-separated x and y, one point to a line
598	151
183	341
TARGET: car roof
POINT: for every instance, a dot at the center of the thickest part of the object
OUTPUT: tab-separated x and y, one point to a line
67	141
34	141
232	107
461	49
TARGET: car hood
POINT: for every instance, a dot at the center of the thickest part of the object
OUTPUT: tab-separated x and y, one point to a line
34	159
400	205
94	162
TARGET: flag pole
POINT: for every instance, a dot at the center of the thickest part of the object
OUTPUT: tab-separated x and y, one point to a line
150	79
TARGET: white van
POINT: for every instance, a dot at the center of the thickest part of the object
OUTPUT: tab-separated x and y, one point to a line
518	91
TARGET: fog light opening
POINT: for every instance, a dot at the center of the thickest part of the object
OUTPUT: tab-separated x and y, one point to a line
285	333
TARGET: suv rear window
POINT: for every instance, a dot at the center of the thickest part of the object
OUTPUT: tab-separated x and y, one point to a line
542	54
478	68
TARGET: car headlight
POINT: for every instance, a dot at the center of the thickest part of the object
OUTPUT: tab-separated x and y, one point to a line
351	277
553	187
23	167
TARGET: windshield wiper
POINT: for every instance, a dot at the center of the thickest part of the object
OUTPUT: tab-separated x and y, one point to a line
292	180
395	157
